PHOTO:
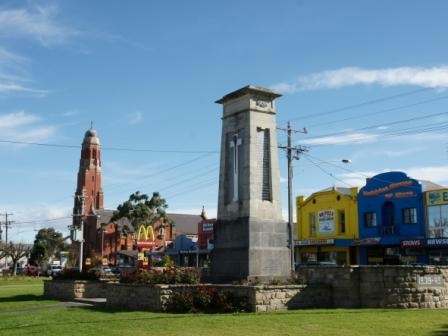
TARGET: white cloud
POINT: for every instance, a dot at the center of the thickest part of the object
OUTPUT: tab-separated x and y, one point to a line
30	218
17	119
353	138
437	174
434	77
13	75
37	23
20	126
135	117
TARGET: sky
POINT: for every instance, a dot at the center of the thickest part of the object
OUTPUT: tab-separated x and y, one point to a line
368	80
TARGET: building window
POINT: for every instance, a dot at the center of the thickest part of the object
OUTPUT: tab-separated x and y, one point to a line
438	221
312	218
341	215
409	216
370	219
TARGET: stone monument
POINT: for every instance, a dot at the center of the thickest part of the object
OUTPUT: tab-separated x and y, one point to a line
251	238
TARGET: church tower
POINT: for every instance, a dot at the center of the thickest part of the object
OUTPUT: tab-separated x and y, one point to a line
89	191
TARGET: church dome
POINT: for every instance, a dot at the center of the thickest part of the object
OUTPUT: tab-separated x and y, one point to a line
91	137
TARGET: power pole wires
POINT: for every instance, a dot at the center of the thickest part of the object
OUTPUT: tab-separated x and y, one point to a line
292	152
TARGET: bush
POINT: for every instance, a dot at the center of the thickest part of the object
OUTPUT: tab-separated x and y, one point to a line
169	275
75	274
205	300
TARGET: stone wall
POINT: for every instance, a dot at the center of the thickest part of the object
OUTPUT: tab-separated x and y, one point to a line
78	289
326	287
382	286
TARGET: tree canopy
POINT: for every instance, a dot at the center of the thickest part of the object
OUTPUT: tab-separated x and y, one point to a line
140	209
48	242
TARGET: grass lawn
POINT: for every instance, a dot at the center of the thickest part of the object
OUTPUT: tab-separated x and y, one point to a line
23	311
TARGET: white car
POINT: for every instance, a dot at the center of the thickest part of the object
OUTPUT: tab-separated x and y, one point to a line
52	270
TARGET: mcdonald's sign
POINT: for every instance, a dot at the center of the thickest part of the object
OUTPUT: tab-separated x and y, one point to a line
145	236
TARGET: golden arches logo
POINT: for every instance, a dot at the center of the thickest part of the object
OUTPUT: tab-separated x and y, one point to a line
145	233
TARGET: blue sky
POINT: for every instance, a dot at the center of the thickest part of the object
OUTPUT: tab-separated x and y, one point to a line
367	79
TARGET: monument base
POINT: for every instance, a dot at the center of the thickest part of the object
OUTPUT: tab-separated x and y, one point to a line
250	249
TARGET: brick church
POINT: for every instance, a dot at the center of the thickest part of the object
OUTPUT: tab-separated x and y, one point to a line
113	240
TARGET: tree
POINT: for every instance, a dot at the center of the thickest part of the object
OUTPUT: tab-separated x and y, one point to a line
48	243
17	252
140	209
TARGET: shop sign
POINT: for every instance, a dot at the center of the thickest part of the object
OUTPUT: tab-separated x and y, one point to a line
388	188
309	242
105	262
326	221
140	256
437	242
430	280
206	227
437	197
367	241
88	262
412	243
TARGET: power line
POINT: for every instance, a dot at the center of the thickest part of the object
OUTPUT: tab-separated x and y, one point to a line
365	103
123	149
379	112
381	125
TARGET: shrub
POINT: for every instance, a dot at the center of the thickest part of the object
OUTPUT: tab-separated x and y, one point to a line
169	275
205	300
75	274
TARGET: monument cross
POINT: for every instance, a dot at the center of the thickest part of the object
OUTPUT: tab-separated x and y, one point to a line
235	143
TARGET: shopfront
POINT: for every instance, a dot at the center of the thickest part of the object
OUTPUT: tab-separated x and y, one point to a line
436	202
327	224
391	219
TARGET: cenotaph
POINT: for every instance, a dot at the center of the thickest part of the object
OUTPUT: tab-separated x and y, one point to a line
251	238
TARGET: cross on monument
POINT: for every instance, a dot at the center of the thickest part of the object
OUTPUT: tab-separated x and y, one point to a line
235	143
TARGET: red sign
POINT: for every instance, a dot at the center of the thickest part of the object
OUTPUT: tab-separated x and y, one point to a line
143	243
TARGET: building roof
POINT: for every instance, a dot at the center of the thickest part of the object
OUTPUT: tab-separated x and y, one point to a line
184	223
428	185
106	215
341	190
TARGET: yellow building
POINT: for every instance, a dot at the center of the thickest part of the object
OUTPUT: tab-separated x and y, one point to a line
327	224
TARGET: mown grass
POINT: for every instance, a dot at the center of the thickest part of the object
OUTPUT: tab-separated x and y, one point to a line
45	318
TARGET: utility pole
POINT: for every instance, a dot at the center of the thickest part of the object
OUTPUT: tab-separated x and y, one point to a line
78	226
7	223
292	152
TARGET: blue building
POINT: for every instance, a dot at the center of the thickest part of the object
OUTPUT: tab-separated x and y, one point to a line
391	221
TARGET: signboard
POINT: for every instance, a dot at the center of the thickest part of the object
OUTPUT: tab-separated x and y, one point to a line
104	262
436	242
367	241
430	280
309	242
386	189
326	221
207	227
375	260
88	262
412	243
437	197
140	256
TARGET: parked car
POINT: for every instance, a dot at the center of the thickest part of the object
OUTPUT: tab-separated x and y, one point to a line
102	272
52	270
